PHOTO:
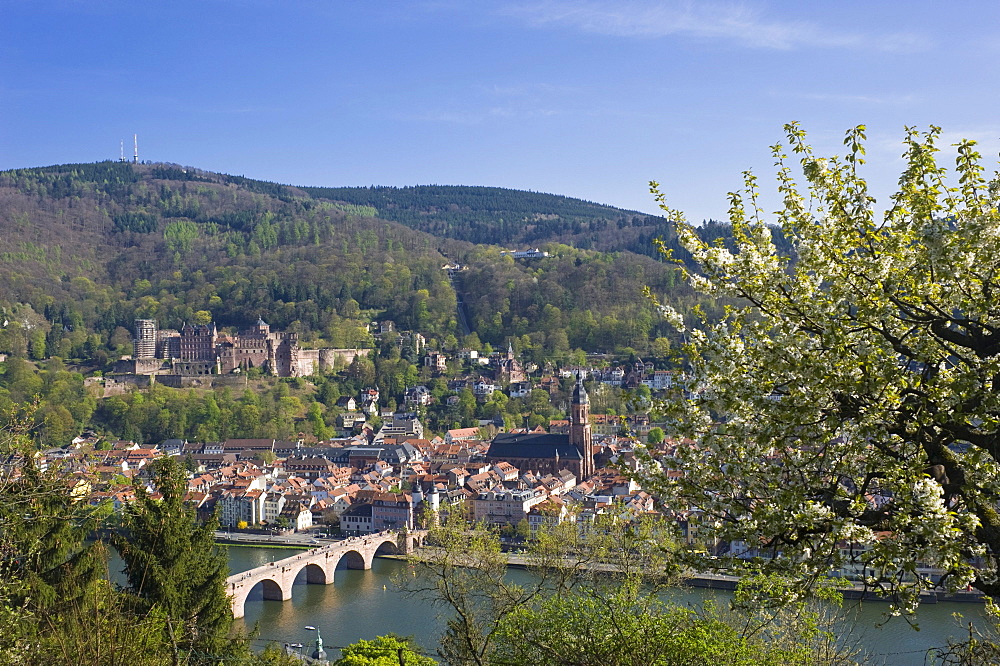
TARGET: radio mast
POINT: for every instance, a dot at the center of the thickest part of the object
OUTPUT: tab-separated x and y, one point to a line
135	138
122	157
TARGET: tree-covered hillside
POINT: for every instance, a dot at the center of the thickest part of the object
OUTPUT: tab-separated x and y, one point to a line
87	248
573	299
499	216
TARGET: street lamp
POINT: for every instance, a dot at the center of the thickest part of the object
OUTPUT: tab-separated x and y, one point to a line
319	653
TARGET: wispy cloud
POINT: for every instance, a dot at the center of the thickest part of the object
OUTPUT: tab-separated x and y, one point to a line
478	116
522	103
983	135
527	89
733	22
845	98
487	102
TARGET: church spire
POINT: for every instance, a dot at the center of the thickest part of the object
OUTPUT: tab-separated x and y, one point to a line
579	428
580	396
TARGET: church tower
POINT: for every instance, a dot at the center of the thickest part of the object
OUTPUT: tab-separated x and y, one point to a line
579	428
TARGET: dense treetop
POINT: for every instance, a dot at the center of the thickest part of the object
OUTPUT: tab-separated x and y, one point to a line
507	217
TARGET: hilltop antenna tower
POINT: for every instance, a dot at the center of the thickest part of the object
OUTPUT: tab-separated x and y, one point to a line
122	157
135	158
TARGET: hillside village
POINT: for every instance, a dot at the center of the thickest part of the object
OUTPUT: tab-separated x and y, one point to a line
358	486
366	480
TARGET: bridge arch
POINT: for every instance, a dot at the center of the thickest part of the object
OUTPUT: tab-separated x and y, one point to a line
353	559
387	547
270	588
316	574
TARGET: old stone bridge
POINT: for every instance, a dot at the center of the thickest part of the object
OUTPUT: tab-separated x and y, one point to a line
319	564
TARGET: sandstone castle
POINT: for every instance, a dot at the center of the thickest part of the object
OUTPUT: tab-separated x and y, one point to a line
197	350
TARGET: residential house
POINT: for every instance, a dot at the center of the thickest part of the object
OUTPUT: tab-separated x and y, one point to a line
357	520
483	388
417	395
241	506
309	468
401	427
388	511
661	379
461	435
369	400
347	403
519	389
298	515
274	504
549	513
506	471
436	361
351	420
505	507
340	500
392	511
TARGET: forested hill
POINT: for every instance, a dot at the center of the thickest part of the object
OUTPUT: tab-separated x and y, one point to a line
87	248
511	218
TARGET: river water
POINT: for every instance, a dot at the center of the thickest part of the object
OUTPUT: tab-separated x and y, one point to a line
365	604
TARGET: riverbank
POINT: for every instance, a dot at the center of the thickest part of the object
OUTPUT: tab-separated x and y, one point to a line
855	592
294	540
267	544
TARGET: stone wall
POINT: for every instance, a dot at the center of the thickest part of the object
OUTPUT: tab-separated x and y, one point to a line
140	366
138	381
331	359
202	381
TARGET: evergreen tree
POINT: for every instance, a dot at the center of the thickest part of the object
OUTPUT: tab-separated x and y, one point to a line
43	526
172	563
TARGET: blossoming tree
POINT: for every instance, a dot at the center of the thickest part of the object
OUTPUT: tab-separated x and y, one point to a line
845	412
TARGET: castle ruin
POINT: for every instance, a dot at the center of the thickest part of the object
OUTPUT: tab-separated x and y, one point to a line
199	349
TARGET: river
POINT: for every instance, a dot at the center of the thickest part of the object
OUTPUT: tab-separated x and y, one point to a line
365	604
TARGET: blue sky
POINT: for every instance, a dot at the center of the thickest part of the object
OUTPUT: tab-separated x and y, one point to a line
586	99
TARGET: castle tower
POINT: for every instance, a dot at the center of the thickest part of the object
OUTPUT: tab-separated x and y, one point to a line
144	342
579	428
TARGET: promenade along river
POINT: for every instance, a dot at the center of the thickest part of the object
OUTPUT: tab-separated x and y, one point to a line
365	604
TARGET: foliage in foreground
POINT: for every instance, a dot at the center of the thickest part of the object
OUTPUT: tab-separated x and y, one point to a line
388	650
173	564
626	625
57	605
598	597
847	415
